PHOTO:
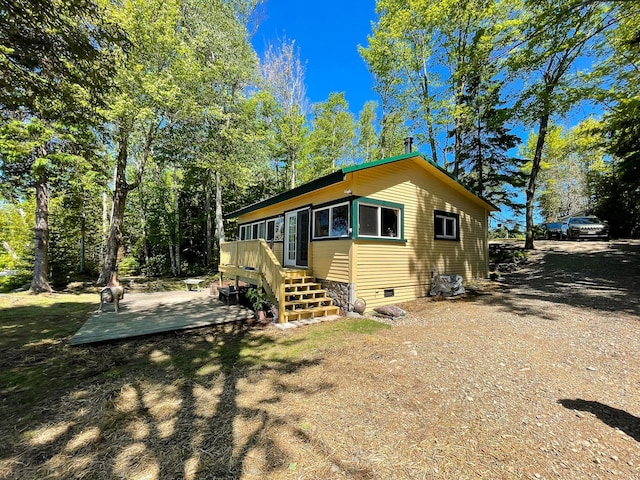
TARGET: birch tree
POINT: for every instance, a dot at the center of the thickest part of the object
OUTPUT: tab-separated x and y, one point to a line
283	73
422	54
554	36
332	137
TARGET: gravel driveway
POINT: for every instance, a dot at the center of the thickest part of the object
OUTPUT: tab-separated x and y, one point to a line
536	378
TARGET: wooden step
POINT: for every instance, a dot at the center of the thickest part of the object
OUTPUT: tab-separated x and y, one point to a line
314	302
302	287
299	280
297	273
290	296
291	315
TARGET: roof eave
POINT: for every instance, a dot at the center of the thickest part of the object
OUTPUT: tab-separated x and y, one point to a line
311	186
339	176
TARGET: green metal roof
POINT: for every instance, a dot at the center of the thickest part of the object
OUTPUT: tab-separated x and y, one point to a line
338	176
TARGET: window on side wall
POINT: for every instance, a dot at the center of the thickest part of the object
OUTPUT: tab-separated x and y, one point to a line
379	221
446	225
331	222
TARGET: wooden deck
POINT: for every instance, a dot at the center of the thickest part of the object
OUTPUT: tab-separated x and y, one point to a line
149	313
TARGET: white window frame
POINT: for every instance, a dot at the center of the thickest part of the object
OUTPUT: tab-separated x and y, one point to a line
454	218
275	221
260	230
397	236
330	208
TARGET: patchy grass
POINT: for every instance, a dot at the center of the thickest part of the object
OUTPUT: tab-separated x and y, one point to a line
33	331
71	406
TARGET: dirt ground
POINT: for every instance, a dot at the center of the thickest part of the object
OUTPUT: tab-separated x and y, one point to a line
533	376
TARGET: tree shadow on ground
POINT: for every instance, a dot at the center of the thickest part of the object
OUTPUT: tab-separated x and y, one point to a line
614	417
189	405
604	278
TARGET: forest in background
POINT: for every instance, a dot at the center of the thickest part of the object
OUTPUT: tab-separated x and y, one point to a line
129	127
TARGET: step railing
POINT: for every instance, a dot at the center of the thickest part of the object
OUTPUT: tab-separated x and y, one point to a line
257	254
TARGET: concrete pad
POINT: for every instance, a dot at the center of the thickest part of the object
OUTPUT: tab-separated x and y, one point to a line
148	313
285	326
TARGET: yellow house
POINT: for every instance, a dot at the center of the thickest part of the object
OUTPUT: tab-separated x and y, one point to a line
376	231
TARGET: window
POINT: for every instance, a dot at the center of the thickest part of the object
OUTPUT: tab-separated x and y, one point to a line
321	223
331	222
379	221
279	229
243	232
274	230
446	225
271	225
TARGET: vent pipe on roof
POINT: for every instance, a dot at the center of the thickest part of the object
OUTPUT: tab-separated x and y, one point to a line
408	144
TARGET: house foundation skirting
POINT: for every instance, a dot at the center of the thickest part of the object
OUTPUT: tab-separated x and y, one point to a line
339	292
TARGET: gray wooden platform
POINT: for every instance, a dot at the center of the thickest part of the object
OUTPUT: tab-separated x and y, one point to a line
148	313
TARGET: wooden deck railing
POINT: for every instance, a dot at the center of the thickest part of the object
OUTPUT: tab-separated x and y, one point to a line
256	254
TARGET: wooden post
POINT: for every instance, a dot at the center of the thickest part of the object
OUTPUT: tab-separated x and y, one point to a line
281	317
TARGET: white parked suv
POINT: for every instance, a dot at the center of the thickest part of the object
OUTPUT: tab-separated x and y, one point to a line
579	228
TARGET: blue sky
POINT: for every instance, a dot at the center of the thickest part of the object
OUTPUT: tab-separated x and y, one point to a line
328	34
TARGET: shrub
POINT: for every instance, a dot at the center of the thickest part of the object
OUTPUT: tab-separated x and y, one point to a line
129	266
156	266
17	280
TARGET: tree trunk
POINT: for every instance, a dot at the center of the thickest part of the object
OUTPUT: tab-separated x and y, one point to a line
427	112
479	159
105	223
83	234
40	281
535	169
219	222
120	192
172	260
145	240
176	230
207	209
457	133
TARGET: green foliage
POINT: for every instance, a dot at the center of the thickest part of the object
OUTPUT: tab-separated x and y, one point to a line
155	266
15	281
190	103
423	54
622	132
128	266
283	74
258	298
331	138
16	235
366	145
56	58
485	164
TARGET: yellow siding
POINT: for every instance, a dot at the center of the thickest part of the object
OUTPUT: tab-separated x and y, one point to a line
407	268
331	260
